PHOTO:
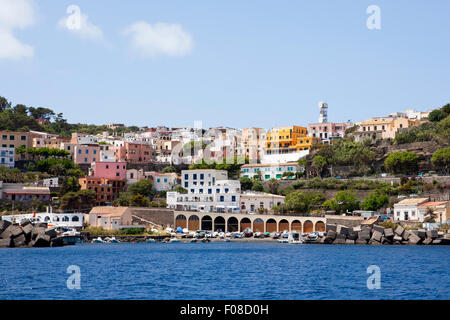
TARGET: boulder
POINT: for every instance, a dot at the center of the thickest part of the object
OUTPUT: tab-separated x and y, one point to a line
339	241
331	234
399	230
341	237
427	241
25	222
378	228
398	238
413	238
388	233
348	241
3	225
12	231
433	234
5	243
360	241
51	232
376	236
437	241
356	229
36	231
366	227
374	242
445	241
331	227
327	240
27	228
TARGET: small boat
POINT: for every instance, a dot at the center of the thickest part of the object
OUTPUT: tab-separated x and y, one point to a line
174	240
312	236
283	240
113	240
150	240
98	240
227	240
276	235
193	241
295	238
206	240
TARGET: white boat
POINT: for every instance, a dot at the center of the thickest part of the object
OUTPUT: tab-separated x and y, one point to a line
295	238
312	236
174	240
98	240
113	240
283	240
151	240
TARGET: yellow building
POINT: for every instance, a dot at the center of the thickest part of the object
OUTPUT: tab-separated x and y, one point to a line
288	139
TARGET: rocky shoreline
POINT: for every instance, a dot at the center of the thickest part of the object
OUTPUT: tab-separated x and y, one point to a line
28	235
377	235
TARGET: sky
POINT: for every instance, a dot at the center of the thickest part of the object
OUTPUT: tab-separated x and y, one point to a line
233	63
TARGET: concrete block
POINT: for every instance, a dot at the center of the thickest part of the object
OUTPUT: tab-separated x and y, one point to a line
364	235
11	231
353	235
341	236
360	241
58	242
27	228
437	241
388	233
36	231
378	228
331	234
399	230
51	232
433	234
422	233
348	241
19	241
397	238
3	225
405	235
327	240
357	229
331	227
342	230
374	242
427	241
5	243
42	240
413	238
376	236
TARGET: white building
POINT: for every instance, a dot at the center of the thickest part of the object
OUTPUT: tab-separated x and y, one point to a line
409	210
253	202
283	157
270	171
207	190
7	157
134	175
68	220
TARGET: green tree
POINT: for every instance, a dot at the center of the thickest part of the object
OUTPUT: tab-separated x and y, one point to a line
437	115
441	159
169	169
273	185
257	186
246	183
143	187
344	201
401	162
319	162
139	200
375	200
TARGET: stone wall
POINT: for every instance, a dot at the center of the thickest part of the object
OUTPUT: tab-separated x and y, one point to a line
159	216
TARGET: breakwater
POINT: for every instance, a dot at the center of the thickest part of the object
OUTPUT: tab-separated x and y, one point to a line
28	234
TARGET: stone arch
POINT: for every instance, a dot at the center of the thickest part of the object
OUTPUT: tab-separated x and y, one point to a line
283	225
308	226
258	225
296	225
271	225
245	223
180	221
219	224
232	224
193	223
320	226
207	223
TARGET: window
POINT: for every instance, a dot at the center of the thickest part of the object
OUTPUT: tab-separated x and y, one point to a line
222	198
186	184
233	198
23	138
202	176
11	138
186	177
194	176
209	191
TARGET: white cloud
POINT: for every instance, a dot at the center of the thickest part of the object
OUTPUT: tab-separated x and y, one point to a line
15	14
159	39
83	28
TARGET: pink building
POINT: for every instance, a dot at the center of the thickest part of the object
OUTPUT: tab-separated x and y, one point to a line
109	170
134	153
86	153
327	131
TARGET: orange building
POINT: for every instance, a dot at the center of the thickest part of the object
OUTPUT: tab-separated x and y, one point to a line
107	190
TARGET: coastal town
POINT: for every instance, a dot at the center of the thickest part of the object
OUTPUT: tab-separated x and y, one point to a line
383	180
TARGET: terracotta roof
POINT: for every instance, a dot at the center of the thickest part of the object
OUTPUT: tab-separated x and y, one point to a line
412	201
109	211
433	203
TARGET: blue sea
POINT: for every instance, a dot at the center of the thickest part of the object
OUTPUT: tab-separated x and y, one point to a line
225	271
